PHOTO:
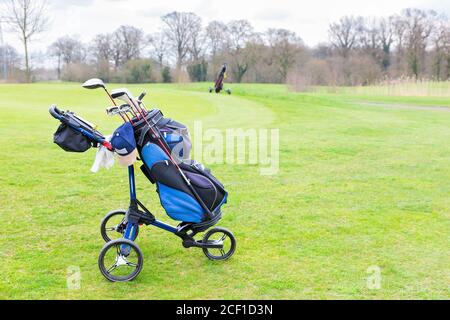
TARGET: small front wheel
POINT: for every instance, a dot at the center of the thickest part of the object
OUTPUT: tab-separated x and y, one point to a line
223	237
113	226
120	260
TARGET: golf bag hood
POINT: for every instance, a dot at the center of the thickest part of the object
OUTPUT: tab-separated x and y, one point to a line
175	134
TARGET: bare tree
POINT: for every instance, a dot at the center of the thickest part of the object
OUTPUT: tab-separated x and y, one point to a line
67	50
102	47
441	49
216	33
198	44
158	47
446	49
376	38
102	51
26	18
369	38
418	28
344	34
179	28
386	31
240	34
9	58
285	49
127	44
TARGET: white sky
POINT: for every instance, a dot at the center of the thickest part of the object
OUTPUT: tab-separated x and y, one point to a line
309	19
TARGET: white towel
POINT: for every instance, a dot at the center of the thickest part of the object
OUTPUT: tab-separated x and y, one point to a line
104	158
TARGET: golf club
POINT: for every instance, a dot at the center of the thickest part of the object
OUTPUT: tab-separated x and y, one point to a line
116	111
141	102
95	84
122	110
127	97
126	108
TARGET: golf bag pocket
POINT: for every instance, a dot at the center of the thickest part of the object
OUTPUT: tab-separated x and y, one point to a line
208	187
176	145
177	197
71	140
177	138
178	205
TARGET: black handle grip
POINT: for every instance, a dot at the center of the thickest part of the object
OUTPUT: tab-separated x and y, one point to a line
142	96
55	112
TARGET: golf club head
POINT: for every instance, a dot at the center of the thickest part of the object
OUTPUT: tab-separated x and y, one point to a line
94	84
125	108
112	111
122	94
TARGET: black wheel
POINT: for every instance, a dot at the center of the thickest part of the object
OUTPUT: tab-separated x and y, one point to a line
113	226
211	90
120	260
228	91
220	235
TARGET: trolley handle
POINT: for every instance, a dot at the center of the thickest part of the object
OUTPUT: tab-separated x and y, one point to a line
93	135
55	112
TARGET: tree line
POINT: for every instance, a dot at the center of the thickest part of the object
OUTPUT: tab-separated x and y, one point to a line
360	50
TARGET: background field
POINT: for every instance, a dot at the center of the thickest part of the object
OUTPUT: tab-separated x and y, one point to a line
364	181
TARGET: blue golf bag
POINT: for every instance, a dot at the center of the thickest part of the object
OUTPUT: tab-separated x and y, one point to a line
187	190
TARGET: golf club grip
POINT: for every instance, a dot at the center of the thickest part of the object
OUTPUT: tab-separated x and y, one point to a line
142	96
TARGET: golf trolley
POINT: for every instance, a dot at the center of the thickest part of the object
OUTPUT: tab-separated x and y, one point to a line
218	84
189	193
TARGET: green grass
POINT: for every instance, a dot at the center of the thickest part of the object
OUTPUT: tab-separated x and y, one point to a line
358	186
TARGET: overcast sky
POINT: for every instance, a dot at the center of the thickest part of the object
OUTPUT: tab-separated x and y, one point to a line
309	19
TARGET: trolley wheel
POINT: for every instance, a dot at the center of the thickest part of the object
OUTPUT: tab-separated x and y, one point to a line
220	235
113	226
120	260
228	91
211	90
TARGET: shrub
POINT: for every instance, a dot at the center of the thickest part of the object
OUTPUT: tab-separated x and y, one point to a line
198	71
138	71
166	76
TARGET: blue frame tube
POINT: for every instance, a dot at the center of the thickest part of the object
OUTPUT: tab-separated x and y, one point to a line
130	231
164	226
132	182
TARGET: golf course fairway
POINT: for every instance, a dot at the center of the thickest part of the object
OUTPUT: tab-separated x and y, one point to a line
362	191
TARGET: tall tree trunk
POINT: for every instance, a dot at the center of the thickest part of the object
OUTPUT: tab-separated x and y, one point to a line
241	70
59	67
386	60
447	76
27	62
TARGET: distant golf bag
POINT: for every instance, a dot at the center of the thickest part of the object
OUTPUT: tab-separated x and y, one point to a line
181	201
218	84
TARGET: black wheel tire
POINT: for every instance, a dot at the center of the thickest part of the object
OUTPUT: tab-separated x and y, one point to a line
113	245
229	91
211	90
104	223
223	255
